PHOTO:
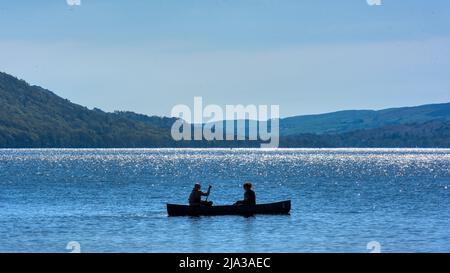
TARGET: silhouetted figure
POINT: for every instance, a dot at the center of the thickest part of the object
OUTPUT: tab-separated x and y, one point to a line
195	199
249	195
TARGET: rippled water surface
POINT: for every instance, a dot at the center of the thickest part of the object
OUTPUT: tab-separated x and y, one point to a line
114	200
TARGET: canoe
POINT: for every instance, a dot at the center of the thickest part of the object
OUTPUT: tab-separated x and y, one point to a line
273	208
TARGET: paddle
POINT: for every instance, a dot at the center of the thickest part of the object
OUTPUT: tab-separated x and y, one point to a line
209	191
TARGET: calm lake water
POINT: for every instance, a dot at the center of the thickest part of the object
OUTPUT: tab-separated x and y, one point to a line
114	200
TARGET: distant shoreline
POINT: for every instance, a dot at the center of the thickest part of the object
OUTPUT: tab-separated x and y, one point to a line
33	117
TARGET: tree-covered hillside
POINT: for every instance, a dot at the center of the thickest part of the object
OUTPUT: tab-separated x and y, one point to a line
352	120
432	134
31	116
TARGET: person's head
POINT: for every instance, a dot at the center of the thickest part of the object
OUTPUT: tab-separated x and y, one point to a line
248	186
197	187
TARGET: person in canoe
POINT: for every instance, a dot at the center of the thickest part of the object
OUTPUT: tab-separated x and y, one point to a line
249	195
195	198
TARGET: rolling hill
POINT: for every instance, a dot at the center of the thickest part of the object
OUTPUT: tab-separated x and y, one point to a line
431	134
347	121
33	117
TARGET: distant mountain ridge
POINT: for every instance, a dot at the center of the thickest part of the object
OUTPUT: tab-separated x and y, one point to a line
352	120
33	117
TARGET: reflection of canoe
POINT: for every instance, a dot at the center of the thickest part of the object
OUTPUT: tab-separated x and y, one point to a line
273	208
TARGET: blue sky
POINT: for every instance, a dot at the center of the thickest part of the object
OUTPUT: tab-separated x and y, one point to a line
307	56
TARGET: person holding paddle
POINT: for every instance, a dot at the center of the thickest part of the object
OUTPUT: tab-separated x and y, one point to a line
195	198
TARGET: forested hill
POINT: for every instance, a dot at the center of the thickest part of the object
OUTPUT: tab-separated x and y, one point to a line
353	120
431	134
31	116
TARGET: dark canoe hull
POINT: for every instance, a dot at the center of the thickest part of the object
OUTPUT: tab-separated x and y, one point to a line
272	208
